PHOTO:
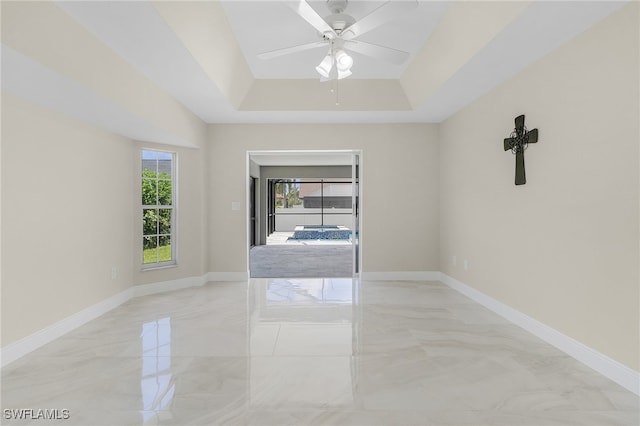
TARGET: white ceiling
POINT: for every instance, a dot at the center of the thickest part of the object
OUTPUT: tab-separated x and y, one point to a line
145	35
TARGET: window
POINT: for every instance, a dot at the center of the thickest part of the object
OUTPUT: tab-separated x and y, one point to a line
158	209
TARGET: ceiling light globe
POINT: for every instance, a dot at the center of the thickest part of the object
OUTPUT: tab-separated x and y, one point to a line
344	62
325	66
343	74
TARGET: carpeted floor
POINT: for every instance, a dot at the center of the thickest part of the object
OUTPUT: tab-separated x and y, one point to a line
301	261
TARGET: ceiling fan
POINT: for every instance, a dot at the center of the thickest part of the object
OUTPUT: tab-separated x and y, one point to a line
339	32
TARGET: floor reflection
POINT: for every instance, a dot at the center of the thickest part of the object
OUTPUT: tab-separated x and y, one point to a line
156	384
299	291
301	341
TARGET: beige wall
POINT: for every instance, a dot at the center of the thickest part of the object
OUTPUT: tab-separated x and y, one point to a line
66	219
58	249
563	248
399	169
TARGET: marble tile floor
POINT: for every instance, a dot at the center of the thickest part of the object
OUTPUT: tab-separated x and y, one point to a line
309	352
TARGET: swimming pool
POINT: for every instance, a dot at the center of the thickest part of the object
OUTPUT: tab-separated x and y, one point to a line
321	232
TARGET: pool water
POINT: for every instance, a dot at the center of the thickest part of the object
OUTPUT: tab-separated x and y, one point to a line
321	232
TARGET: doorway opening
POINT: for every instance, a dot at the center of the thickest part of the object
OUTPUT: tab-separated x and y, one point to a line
306	207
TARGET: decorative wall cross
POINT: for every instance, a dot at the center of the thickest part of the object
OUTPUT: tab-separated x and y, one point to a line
517	142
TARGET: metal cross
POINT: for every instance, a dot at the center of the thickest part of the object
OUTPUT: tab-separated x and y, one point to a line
517	142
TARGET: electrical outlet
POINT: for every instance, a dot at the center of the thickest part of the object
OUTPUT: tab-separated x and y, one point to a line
454	260
466	264
114	272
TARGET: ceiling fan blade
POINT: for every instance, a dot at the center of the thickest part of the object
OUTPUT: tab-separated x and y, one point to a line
388	54
292	49
508	143
532	136
388	11
302	8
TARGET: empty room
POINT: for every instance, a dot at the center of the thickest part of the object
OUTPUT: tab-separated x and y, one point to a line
320	212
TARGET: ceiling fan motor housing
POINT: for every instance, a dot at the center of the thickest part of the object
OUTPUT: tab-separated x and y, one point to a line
339	21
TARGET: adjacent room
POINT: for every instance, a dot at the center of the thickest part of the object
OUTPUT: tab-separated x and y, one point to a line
322	212
305	227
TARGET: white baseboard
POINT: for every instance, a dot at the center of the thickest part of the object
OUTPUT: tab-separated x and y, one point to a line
401	276
227	276
15	350
164	286
610	368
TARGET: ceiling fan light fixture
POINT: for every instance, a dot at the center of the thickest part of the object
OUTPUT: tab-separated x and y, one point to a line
325	66
340	29
343	74
344	62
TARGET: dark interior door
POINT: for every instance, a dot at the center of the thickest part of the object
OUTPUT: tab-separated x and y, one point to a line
252	211
271	207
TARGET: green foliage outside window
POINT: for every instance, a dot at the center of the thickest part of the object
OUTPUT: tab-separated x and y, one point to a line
157	198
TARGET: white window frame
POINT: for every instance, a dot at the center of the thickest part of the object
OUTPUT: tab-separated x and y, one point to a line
173	207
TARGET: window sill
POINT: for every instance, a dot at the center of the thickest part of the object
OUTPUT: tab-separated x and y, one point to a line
155	268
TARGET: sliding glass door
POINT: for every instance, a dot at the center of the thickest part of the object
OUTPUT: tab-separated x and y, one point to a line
310	202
